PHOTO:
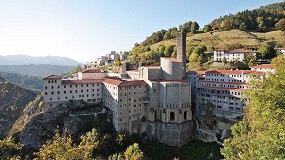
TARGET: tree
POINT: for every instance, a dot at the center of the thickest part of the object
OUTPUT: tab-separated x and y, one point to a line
133	152
260	135
62	148
118	62
265	51
9	149
250	60
207	108
194	27
207	28
78	69
169	50
280	25
224	60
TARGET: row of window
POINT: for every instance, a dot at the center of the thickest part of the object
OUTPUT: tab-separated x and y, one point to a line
70	86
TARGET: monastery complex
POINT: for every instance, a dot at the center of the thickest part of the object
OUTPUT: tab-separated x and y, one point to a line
158	100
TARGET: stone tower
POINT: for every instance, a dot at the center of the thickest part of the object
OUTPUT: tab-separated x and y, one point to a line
181	50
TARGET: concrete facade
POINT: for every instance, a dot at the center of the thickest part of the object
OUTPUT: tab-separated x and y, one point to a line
223	89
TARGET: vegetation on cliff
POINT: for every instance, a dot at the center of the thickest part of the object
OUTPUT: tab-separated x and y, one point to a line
260	135
13	100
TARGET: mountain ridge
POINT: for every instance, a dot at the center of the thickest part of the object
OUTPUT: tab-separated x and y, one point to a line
21	59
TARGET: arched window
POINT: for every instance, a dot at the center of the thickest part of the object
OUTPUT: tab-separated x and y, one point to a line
155	115
185	115
172	116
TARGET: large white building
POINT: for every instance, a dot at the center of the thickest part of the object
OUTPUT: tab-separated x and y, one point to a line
231	56
222	88
153	99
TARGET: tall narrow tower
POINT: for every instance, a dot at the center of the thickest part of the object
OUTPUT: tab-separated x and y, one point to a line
181	50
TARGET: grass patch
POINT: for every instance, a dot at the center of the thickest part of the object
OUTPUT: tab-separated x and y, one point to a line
196	150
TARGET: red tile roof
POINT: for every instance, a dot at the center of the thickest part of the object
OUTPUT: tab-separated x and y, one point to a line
52	77
134	70
263	66
235	72
83	81
118	82
241	51
153	67
93	71
172	59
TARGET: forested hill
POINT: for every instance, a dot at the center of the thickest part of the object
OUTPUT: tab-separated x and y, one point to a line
13	99
265	18
262	19
256	29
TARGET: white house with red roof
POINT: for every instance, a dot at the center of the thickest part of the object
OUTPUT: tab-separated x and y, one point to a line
263	68
236	54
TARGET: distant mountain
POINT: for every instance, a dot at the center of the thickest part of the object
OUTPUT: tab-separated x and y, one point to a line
39	70
25	59
13	100
26	81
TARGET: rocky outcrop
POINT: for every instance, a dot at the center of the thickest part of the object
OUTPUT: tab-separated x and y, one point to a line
70	118
42	126
209	128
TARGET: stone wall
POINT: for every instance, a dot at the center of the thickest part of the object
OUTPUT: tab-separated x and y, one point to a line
174	134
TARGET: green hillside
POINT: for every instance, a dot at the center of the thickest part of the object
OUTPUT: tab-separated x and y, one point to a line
13	99
228	39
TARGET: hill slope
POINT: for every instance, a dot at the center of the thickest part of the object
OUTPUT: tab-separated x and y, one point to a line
25	59
13	99
25	81
228	39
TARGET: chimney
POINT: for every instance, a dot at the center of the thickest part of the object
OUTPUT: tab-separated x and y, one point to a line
181	50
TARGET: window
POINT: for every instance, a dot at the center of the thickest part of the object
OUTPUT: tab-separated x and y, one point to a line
172	116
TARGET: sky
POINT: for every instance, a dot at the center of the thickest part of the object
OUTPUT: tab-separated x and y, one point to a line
85	29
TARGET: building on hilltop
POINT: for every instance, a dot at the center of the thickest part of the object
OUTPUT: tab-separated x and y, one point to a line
105	60
231	56
263	68
151	99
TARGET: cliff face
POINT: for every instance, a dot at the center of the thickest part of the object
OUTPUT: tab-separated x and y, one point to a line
13	100
69	118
